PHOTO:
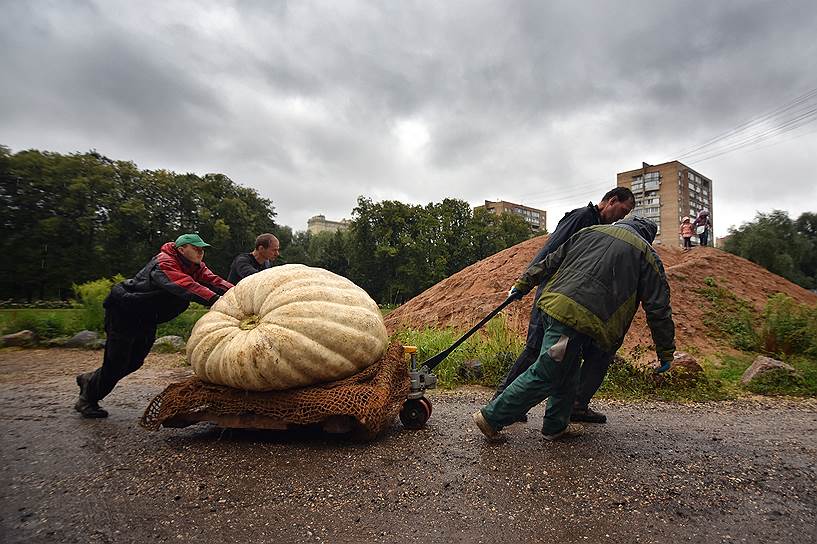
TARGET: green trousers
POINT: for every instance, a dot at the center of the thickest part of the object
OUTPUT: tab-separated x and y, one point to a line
554	376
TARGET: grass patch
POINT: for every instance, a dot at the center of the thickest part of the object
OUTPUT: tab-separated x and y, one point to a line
183	324
48	324
45	323
626	382
495	347
801	383
788	328
730	317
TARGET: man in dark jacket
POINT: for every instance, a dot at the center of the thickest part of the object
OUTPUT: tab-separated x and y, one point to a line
162	290
594	284
267	249
616	204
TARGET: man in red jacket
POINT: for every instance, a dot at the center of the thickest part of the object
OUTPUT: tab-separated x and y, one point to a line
162	290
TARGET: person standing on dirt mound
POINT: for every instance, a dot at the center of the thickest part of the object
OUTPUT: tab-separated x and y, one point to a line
702	225
616	204
594	285
161	291
267	249
686	231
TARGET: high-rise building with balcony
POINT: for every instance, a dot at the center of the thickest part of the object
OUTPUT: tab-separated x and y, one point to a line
666	193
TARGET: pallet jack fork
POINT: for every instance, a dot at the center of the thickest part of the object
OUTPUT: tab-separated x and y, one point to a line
417	408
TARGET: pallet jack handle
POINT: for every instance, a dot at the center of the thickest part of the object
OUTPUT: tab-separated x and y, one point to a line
440	357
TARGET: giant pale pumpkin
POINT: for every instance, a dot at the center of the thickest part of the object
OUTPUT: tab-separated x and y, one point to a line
288	326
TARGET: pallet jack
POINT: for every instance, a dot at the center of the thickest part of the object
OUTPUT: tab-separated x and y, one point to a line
417	408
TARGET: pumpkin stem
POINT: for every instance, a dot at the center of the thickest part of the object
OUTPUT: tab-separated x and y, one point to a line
248	323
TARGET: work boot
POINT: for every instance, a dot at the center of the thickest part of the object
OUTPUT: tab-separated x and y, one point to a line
486	428
84	406
585	414
555	436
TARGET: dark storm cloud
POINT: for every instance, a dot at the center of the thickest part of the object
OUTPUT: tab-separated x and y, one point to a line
76	71
315	103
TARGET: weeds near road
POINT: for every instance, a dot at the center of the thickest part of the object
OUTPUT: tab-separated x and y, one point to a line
495	348
44	323
786	329
789	328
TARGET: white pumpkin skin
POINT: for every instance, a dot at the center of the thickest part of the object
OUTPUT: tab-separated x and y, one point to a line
287	326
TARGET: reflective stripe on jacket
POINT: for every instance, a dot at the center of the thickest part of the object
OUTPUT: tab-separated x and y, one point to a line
595	282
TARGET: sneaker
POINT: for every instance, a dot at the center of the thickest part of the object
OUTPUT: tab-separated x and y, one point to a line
556	435
83	405
587	415
485	427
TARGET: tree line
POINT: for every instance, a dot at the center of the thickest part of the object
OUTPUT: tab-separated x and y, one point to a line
71	218
776	242
395	250
68	219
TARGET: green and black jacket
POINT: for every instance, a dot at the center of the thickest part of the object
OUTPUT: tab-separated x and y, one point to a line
595	281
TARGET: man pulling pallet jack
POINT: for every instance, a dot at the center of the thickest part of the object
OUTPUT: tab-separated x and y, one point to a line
593	285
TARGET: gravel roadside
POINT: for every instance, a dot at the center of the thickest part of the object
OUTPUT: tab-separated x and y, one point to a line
740	471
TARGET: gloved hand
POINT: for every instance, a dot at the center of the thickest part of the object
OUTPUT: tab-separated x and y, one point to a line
515	294
664	366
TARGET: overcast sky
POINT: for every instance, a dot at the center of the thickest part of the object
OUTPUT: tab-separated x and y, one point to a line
315	103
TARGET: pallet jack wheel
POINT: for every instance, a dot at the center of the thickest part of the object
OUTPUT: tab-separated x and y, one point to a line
428	405
415	413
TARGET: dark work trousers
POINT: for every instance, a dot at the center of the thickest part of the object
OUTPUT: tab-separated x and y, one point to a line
128	343
594	366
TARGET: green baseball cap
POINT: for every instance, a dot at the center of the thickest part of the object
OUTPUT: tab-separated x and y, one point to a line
193	239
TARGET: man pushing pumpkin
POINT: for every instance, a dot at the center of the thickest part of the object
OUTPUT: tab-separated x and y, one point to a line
161	291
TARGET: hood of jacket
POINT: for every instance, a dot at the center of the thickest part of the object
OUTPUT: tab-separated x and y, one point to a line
641	226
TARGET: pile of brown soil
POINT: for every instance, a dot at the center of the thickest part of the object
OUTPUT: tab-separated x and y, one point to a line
466	297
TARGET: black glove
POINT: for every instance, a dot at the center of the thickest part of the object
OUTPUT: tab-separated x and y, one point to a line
213	300
515	294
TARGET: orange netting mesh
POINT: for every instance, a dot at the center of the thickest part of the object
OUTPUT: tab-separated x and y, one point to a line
373	397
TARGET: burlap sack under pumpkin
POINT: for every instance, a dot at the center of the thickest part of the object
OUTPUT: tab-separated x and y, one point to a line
372	398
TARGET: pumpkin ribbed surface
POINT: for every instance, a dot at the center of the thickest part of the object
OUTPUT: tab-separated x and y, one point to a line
287	326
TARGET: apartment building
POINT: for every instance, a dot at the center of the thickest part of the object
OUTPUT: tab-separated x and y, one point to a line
319	223
536	218
666	193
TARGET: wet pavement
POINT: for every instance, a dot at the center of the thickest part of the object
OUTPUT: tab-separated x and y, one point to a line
739	471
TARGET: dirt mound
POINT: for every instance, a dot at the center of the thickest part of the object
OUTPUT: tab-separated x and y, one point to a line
464	298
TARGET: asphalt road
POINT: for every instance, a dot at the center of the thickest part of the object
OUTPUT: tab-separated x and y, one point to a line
717	472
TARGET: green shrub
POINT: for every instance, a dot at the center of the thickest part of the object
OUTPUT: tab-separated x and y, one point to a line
788	327
91	295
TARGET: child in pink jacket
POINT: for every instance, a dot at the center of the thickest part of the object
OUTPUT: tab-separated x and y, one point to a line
686	233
